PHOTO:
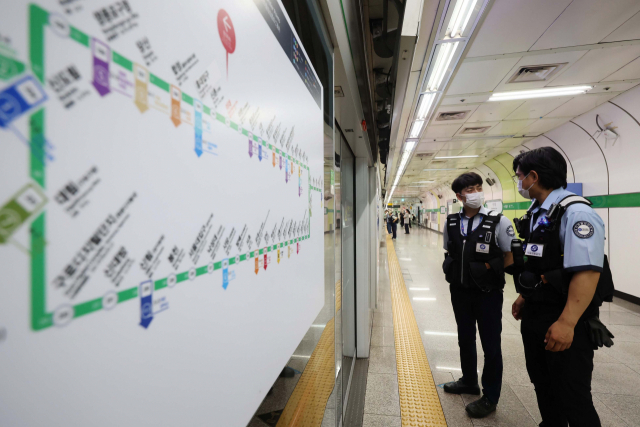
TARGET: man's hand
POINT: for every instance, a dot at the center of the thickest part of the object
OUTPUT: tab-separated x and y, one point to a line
516	308
559	336
487	265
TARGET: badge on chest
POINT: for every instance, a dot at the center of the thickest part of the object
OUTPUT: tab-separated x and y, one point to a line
482	248
534	250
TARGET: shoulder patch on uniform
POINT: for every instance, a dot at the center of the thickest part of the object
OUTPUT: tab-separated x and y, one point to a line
583	229
510	231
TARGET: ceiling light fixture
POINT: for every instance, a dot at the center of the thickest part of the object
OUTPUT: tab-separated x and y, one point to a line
424	105
460	17
416	128
443	60
540	93
454	157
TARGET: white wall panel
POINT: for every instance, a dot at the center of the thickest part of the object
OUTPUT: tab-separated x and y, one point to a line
588	163
622	157
623	247
630	101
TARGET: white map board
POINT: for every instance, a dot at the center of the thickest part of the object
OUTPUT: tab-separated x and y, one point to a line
137	287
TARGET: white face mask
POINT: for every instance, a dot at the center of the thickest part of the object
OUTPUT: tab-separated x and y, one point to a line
524	193
474	200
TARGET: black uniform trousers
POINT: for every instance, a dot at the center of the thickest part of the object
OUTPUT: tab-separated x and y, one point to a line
394	228
562	380
406	228
485	308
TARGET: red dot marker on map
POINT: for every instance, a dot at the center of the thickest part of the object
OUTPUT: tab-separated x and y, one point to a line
227	34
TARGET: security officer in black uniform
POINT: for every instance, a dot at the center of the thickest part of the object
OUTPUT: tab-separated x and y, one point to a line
478	244
563	277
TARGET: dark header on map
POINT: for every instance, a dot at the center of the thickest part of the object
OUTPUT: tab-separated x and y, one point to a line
273	14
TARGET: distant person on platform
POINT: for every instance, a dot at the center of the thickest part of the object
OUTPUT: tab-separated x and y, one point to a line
388	220
407	221
401	217
394	223
478	245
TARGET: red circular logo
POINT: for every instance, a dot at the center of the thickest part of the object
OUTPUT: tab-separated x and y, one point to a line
226	31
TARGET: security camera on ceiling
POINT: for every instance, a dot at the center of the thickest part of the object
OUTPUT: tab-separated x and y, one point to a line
490	181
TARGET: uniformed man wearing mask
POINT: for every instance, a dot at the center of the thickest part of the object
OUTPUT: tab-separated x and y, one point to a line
562	283
478	245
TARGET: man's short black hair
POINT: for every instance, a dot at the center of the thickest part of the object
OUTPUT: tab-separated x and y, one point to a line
547	162
465	180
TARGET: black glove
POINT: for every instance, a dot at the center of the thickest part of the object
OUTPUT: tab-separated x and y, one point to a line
599	334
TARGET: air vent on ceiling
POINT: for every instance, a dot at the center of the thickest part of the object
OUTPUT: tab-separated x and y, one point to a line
452	115
535	73
438	162
475	130
424	155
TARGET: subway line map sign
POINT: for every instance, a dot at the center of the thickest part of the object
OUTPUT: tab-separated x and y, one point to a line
161	227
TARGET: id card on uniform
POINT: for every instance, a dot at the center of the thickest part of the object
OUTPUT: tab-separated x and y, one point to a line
534	250
482	248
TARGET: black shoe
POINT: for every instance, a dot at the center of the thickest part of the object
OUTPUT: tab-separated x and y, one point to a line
458	387
480	408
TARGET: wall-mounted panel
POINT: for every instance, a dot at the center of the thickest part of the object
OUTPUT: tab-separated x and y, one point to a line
135	290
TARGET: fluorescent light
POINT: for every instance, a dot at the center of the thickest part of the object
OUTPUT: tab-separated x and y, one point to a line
423	299
416	128
540	93
424	105
454	157
443	60
418	289
410	144
445	334
460	17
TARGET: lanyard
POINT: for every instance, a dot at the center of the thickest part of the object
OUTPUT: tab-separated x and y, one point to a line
470	224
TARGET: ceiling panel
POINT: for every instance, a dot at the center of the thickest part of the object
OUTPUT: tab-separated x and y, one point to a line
444	153
630	30
615	87
440	131
458	100
579	105
513	142
457	145
474	151
628	72
448	109
586	22
597	64
485	143
429	146
494	111
567	58
543	125
515	25
537	108
510	127
481	76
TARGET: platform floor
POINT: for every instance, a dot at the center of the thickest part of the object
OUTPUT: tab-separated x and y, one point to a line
616	377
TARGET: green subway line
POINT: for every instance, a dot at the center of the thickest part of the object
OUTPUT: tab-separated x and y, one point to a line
117	58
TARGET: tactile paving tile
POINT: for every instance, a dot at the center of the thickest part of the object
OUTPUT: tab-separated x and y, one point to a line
308	401
419	401
338	295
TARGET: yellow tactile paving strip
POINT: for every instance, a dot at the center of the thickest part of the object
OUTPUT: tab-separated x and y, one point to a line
306	406
419	401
